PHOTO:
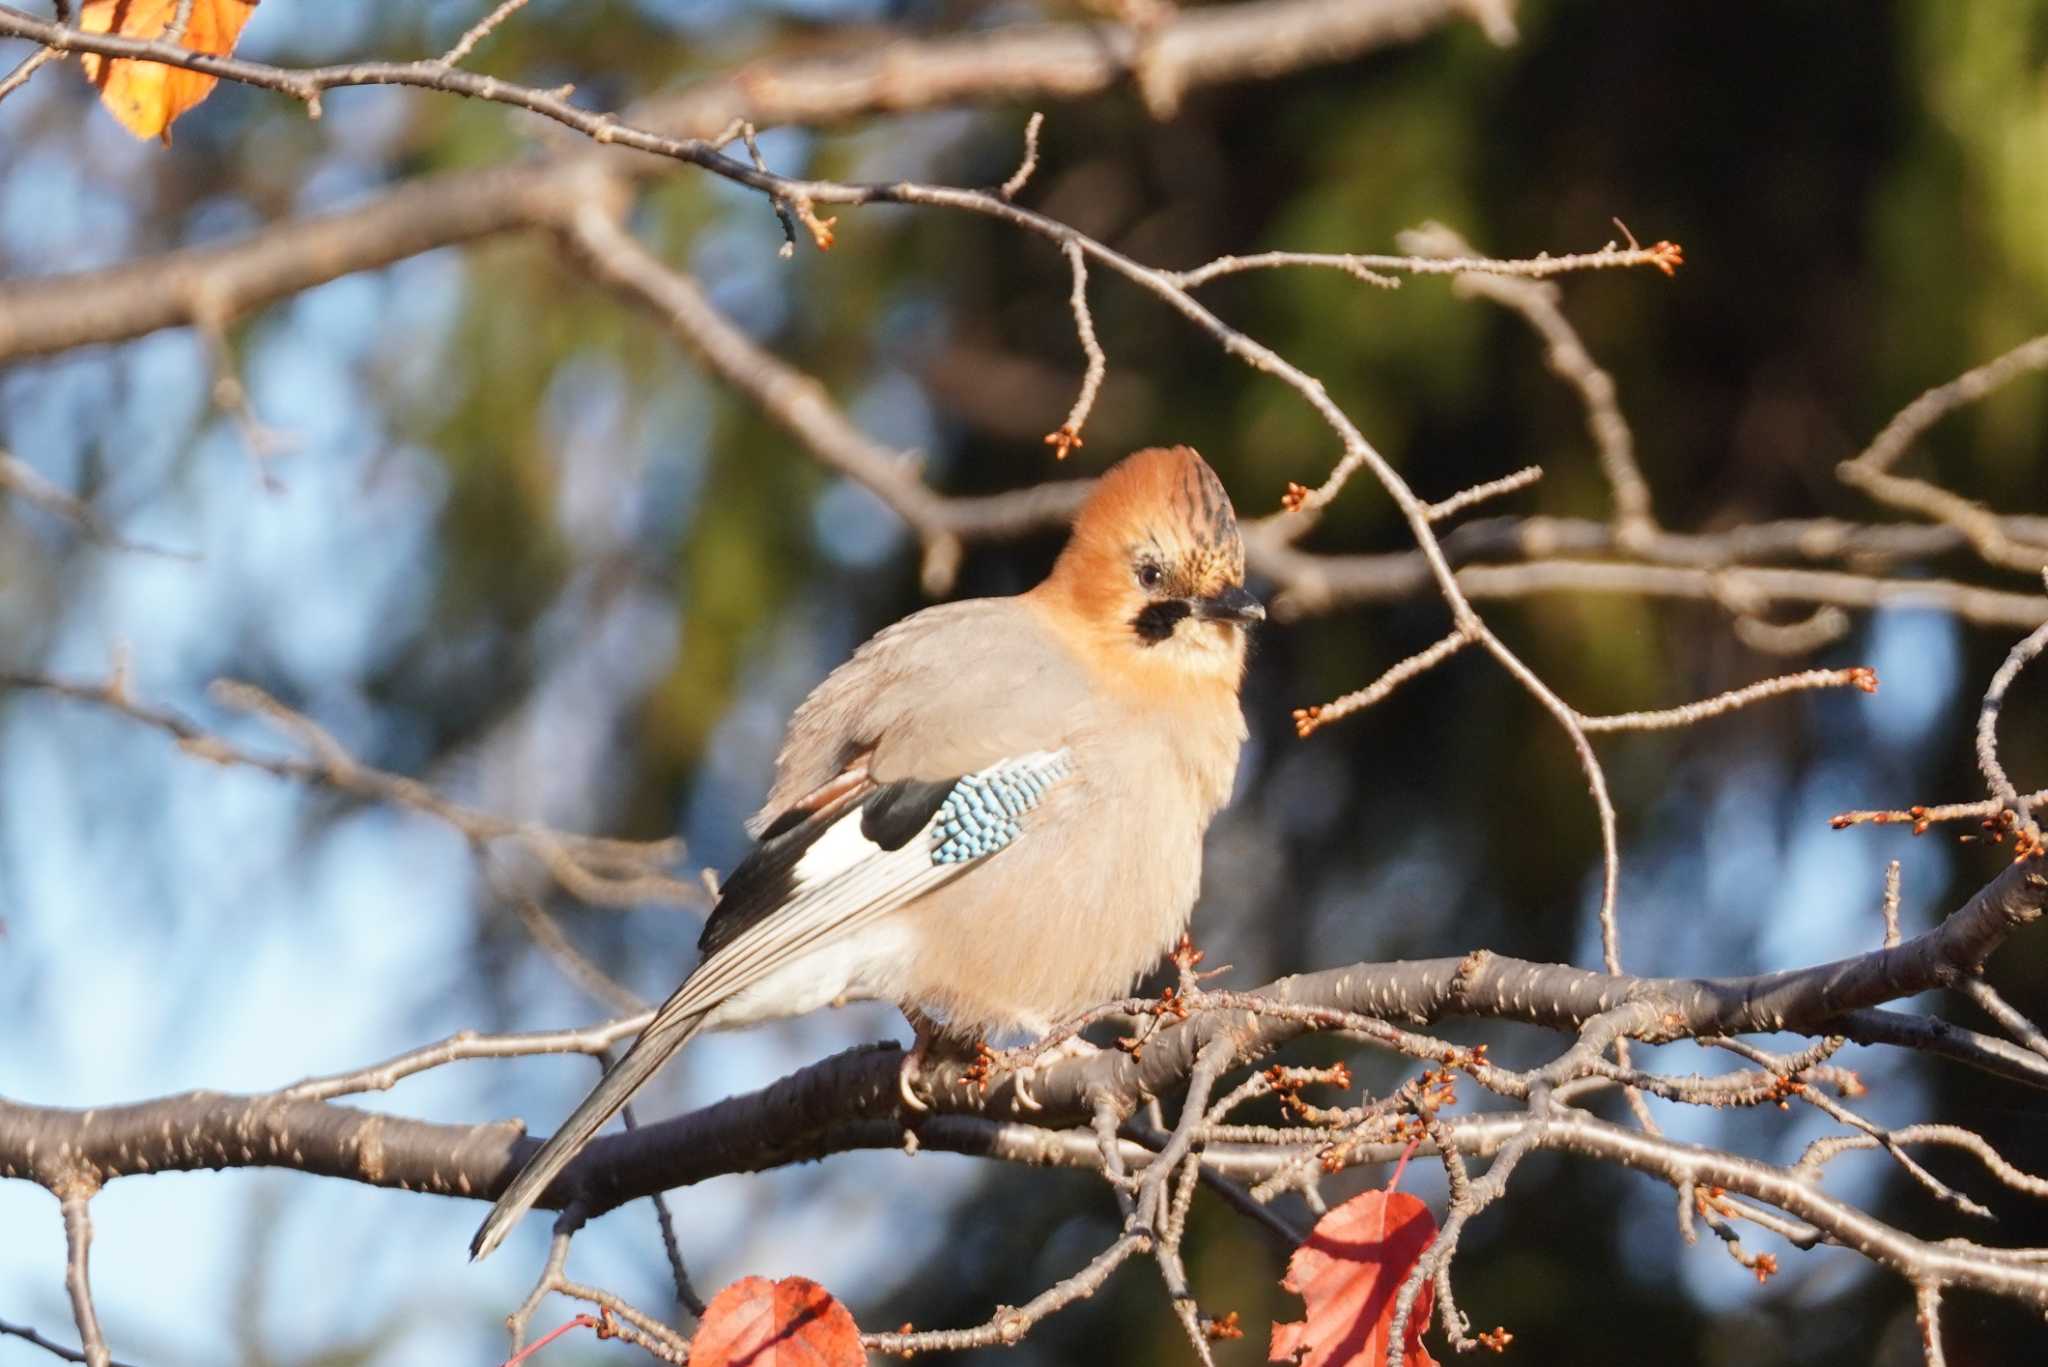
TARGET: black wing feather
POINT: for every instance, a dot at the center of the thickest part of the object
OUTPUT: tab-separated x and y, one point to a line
897	811
891	815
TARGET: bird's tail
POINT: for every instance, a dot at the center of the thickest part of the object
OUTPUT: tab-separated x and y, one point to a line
663	1036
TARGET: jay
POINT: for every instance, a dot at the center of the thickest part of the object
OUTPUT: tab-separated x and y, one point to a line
992	814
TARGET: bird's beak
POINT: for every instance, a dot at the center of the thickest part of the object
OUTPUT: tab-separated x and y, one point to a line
1233	604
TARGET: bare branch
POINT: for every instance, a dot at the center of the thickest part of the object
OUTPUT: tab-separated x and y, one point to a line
181	19
1986	607
1537	302
467	1044
1009	1324
75	1199
1922	818
1064	61
1014	186
1670	718
1818	629
1480	493
20	478
1307	720
850	1100
1927	1311
2021	655
1871	469
1891	904
1731	568
35	1340
15	80
1068	436
482	29
1821	1152
2009	1017
799	403
1665	256
587	866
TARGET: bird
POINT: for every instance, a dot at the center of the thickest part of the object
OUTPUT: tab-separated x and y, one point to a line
992	813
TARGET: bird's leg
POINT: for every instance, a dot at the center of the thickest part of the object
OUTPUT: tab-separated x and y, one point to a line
928	1033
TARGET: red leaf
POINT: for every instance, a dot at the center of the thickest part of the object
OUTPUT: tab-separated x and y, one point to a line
1349	1273
790	1323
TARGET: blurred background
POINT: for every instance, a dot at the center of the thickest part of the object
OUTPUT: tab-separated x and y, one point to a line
523	548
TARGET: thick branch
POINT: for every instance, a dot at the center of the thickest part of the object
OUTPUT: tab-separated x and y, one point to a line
216	284
614	257
1061	61
1707	567
851	1100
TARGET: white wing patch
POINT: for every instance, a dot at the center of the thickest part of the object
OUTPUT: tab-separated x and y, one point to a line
839	849
844	884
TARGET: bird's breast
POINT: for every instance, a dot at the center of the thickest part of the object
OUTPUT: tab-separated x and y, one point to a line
1081	907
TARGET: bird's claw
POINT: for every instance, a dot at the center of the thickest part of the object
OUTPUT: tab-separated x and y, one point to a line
1020	1087
908	1085
907	1077
1022	1075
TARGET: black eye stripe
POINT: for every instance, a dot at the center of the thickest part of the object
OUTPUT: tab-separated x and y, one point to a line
1156	621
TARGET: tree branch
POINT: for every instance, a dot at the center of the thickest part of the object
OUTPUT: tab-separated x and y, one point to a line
1059	61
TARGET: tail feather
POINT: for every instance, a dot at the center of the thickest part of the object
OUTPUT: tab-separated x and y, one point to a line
660	1040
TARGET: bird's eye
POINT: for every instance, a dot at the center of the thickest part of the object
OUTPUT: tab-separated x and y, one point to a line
1150	575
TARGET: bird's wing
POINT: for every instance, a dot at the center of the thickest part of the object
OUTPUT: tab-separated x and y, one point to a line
944	692
867	850
856	860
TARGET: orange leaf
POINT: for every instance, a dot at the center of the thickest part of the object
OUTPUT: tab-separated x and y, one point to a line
790	1323
147	96
1349	1273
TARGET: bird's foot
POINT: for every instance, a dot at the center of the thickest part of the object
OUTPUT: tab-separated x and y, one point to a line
1021	1075
911	1073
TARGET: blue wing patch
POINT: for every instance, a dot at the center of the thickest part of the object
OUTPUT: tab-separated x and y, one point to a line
980	814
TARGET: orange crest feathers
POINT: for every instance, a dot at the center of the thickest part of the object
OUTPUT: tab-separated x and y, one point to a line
1169	496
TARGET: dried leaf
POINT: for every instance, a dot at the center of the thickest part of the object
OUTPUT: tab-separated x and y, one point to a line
790	1323
147	96
1349	1273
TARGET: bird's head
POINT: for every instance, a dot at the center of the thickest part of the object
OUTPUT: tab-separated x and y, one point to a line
1154	572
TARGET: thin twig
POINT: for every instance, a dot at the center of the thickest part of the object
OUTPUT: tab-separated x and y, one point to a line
51	1346
1921	819
686	1293
1871	469
77	1277
1307	720
1819	629
1012	187
1480	493
1664	256
1068	435
181	19
17	78
1689	714
18	477
599	870
1927	1313
1891	905
1010	1323
1988	762
1821	1152
1537	303
479	31
2009	1017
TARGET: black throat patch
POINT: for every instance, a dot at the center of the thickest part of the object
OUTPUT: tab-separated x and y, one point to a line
1156	621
